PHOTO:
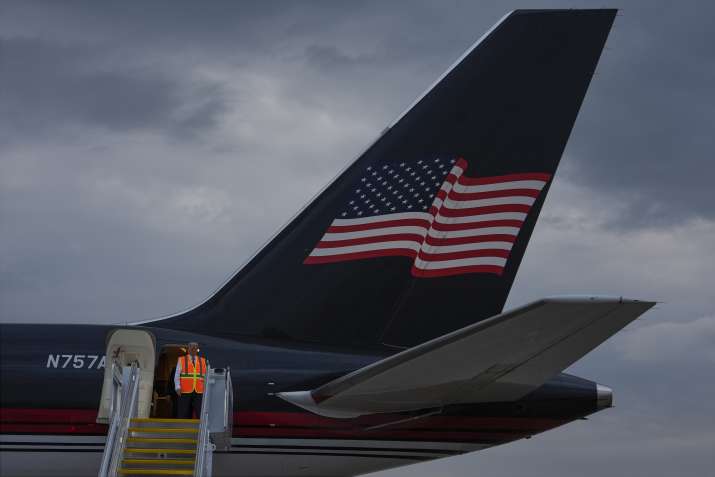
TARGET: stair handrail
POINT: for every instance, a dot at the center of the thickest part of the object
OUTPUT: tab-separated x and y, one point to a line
228	404
203	445
121	415
117	380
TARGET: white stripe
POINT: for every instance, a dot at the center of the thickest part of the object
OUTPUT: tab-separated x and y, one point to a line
467	246
468	189
416	445
330	237
463	262
481	218
383	217
466	204
474	232
366	247
456	170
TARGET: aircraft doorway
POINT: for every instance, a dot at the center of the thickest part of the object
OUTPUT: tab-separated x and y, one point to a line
164	396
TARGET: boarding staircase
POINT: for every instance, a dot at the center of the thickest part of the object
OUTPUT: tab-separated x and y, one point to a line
154	447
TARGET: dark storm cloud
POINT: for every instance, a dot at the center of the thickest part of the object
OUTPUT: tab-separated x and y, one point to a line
648	134
48	86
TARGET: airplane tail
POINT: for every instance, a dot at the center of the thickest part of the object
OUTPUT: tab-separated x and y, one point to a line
423	234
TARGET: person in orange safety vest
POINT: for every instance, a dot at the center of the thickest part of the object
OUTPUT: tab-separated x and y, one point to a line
189	382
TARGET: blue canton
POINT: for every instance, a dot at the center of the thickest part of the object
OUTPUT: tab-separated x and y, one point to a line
394	188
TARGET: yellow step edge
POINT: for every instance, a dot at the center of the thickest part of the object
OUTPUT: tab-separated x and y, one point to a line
165	440
155	472
178	430
159	461
159	419
141	450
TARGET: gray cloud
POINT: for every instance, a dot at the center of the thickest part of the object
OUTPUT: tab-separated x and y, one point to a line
154	146
47	87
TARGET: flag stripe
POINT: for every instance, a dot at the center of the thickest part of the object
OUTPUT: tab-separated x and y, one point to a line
457	270
435	257
520	216
448	248
439	226
367	247
450	203
444	212
462	262
534	176
375	239
510	231
437	241
379	225
494	193
387	231
466	188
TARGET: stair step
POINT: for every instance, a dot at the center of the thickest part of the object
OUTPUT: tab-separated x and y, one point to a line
153	472
162	442
144	453
159	461
161	464
163	432
164	423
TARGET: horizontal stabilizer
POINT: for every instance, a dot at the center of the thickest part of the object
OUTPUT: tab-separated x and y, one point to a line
500	359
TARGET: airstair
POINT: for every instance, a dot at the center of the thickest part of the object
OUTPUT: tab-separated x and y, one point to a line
145	446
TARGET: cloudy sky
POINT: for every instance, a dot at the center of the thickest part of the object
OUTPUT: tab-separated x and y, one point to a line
148	148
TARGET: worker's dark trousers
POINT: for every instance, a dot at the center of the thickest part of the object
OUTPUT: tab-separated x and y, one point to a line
189	405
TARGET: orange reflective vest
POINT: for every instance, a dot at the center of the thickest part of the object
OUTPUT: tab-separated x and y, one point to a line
191	378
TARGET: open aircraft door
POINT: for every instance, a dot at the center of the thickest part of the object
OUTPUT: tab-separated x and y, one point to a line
124	347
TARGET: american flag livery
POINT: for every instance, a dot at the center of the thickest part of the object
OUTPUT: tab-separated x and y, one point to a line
448	223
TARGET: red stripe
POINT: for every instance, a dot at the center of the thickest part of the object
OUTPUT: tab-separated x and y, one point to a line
492	209
391	252
473	239
298	418
462	163
533	176
477	225
336	229
494	194
376	239
441	257
456	271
